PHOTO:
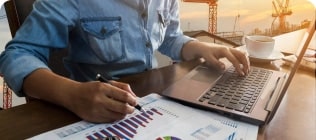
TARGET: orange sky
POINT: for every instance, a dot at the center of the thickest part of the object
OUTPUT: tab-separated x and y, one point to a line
253	13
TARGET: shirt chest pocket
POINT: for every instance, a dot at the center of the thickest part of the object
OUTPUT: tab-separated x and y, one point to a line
104	37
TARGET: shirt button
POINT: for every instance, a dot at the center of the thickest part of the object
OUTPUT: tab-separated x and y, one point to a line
148	44
144	15
103	31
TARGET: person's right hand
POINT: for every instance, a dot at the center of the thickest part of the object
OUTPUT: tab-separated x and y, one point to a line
102	102
92	101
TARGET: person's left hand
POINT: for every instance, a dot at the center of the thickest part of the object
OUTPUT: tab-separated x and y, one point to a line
238	58
213	52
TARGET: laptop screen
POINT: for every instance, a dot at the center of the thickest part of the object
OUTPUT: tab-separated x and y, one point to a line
306	41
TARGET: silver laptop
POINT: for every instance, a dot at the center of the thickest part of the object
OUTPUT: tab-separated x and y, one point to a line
254	98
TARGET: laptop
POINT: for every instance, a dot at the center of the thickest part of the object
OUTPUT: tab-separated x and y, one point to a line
254	98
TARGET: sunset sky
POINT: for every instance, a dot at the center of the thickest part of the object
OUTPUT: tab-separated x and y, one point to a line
253	13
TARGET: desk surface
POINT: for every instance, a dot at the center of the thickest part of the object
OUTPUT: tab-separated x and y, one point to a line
295	118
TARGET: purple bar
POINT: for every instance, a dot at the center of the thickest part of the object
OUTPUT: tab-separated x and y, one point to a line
128	127
149	112
143	119
131	123
116	132
137	121
99	136
147	116
106	133
123	131
90	138
155	110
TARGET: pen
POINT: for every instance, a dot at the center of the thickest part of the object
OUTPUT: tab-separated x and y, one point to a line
102	79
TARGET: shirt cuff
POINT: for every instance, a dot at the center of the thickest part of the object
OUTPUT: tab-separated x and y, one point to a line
174	49
17	71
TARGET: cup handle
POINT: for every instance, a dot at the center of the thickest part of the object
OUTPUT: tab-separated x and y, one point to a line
243	40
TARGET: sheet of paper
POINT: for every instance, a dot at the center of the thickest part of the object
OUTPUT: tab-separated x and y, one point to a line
290	42
163	120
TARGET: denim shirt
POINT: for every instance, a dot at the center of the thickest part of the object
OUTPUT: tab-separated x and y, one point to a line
113	37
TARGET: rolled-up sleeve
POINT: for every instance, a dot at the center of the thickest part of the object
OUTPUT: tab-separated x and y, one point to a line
16	64
174	38
45	29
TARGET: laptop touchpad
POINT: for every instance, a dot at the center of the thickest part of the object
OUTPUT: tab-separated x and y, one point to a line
205	74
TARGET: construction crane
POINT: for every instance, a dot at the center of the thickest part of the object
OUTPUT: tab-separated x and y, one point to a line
281	10
212	25
236	23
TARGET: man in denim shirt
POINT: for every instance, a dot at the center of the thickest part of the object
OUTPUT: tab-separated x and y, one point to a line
113	37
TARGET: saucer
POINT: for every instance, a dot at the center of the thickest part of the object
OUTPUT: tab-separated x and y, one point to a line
275	55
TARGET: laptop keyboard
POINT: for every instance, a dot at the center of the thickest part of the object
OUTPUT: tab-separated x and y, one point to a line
237	92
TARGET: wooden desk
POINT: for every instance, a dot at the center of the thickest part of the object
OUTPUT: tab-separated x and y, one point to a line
294	120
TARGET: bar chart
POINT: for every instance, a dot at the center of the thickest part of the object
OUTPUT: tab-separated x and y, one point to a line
163	119
127	128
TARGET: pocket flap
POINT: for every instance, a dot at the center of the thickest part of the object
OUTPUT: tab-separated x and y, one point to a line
102	27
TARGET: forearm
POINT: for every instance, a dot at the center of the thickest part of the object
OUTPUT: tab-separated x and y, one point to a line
45	85
197	49
192	50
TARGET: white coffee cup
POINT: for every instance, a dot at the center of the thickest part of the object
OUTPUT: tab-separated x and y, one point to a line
259	46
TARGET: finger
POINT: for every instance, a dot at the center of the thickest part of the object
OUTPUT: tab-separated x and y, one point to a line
104	117
119	107
243	58
235	61
246	63
115	116
119	94
213	61
102	110
123	86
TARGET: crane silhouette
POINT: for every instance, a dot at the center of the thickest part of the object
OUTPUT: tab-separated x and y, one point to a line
212	23
281	10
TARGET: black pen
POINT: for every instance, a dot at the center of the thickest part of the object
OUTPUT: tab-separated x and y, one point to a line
102	79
